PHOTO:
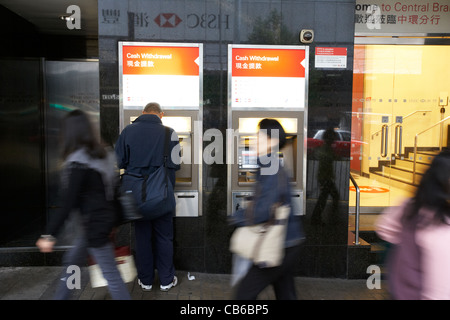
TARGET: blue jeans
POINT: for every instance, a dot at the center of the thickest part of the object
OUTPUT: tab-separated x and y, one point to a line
154	249
105	258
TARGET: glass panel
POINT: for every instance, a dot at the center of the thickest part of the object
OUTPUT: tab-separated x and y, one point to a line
399	93
23	218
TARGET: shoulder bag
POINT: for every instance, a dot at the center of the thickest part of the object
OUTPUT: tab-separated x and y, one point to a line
154	193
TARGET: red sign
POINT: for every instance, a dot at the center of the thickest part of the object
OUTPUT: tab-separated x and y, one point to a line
255	62
160	60
331	57
267	77
329	51
167	73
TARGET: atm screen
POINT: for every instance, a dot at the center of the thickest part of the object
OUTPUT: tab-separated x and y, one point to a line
248	160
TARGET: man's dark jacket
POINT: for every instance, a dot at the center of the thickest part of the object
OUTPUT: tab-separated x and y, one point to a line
140	147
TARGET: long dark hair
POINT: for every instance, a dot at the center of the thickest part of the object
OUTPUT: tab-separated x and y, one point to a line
77	132
433	191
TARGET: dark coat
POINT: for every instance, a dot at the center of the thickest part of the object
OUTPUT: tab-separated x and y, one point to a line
140	147
84	189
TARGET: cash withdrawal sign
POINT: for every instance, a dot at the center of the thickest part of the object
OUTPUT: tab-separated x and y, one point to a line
170	74
266	82
161	72
267	77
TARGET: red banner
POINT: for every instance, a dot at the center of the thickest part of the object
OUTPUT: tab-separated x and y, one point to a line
160	60
254	62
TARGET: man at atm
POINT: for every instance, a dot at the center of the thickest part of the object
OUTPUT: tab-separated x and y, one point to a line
140	150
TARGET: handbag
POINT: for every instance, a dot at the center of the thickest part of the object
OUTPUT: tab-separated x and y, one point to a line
263	243
127	208
153	193
125	264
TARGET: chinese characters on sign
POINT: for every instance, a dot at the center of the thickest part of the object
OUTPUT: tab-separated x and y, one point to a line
139	60
167	73
384	16
396	19
240	65
257	72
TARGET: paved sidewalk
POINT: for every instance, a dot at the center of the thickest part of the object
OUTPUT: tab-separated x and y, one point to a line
39	283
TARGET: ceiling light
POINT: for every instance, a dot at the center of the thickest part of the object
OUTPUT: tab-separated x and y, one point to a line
66	17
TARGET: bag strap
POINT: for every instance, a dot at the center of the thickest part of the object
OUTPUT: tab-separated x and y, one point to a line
166	153
166	144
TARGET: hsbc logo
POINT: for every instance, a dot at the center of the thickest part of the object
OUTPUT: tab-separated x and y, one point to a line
167	20
193	21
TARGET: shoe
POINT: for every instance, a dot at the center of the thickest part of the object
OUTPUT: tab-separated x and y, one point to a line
144	287
170	285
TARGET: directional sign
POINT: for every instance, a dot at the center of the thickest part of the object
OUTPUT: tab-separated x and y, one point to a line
159	72
267	77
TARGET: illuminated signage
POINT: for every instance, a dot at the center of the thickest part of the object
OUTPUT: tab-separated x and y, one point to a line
267	77
412	16
165	73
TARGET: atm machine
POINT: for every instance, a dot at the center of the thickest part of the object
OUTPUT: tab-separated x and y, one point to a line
246	108
185	117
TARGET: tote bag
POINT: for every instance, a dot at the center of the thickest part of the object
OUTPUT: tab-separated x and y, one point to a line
263	243
125	264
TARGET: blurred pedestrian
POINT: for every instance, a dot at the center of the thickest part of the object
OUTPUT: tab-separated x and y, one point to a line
268	191
140	151
89	178
418	262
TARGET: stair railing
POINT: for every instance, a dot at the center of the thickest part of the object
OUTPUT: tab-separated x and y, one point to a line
416	138
357	210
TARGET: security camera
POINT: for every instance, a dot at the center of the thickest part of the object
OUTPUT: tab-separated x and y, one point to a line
306	36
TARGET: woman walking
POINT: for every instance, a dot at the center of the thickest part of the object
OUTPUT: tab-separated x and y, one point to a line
89	180
272	187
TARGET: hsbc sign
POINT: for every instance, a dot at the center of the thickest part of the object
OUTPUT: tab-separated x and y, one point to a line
116	20
194	20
